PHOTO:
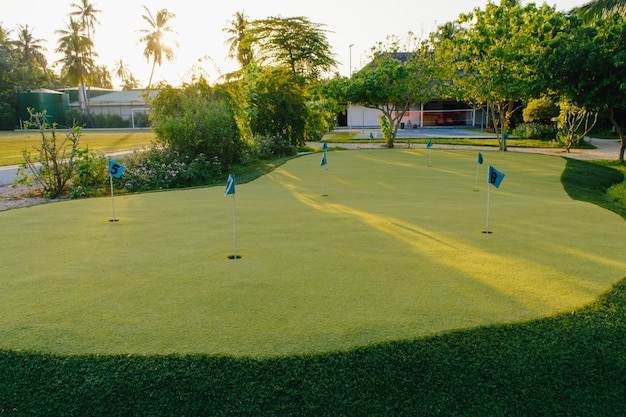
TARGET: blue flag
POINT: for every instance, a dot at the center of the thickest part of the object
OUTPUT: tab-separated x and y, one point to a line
115	170
324	162
429	144
480	158
325	146
371	135
230	185
495	177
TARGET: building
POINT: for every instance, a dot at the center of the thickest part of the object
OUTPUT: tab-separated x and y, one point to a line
130	106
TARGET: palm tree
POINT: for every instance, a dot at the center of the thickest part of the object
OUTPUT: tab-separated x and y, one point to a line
86	12
155	46
239	41
122	72
599	9
101	77
31	49
77	61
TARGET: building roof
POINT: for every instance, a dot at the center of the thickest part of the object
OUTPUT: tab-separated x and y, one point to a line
121	96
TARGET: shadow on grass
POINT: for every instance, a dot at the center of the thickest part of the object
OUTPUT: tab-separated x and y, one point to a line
589	181
570	364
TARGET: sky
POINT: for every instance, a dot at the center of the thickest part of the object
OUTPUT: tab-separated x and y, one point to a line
353	26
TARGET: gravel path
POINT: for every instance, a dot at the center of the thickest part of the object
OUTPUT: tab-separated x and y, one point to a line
22	196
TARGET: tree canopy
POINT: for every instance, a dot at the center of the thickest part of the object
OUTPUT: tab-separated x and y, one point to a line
495	52
296	42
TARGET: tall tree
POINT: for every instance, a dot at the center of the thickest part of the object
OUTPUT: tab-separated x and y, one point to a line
295	42
587	65
394	82
154	38
77	60
15	76
239	41
101	77
495	53
31	48
601	9
86	13
122	72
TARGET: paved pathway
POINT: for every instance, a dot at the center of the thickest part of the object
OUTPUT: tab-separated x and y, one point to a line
605	148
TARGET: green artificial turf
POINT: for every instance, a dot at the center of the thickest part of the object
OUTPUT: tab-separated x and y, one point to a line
394	252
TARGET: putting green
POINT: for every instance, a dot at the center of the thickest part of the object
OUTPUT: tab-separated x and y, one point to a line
395	251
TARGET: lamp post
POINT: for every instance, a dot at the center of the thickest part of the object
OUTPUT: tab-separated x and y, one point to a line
350	104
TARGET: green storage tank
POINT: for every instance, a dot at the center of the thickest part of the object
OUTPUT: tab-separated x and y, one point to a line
55	103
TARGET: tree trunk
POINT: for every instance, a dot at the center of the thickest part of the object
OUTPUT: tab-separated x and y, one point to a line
620	132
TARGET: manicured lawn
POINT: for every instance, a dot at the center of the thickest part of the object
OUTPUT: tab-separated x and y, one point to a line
383	298
12	143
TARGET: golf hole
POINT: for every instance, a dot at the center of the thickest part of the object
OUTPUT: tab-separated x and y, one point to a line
234	257
486	232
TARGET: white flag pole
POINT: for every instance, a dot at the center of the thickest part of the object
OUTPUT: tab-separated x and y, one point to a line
113	219
325	194
487	226
234	230
476	185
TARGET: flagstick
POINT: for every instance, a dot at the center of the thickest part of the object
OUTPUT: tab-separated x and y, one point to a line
429	162
113	219
476	185
487	226
325	195
234	231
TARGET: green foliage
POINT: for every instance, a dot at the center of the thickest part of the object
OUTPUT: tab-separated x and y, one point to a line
322	113
52	164
392	83
110	121
197	120
496	54
586	65
89	175
16	75
541	110
272	147
385	129
535	131
276	105
158	168
102	121
295	43
574	123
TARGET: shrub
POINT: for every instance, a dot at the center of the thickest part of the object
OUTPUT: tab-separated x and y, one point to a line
89	174
274	146
195	120
541	110
109	121
535	131
157	168
52	163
